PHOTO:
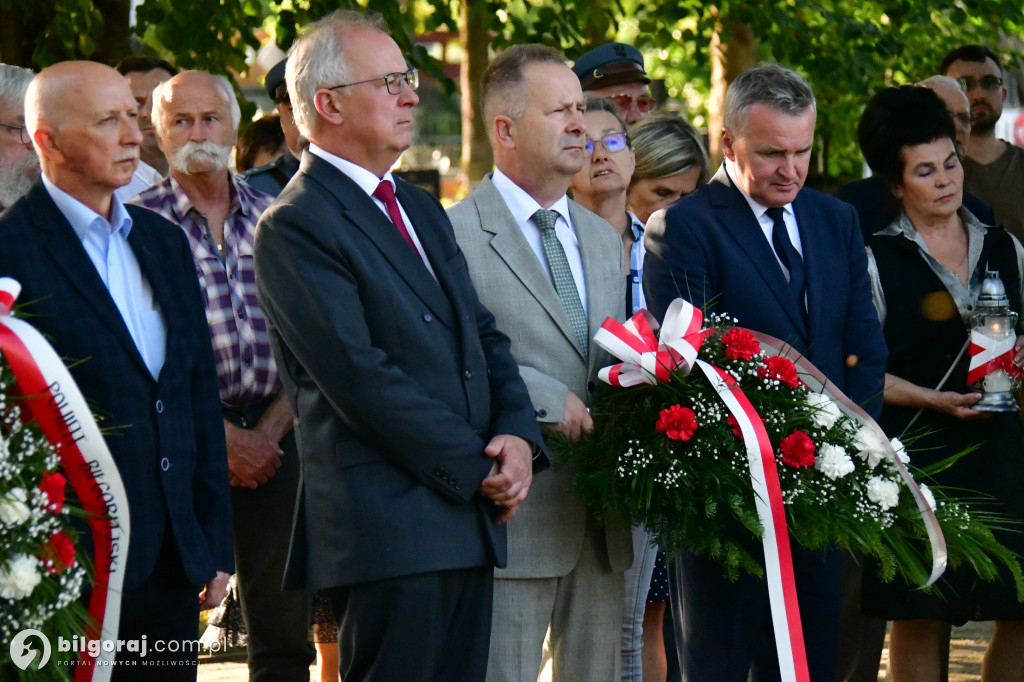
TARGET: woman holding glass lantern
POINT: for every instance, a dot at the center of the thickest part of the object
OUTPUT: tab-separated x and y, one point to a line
928	270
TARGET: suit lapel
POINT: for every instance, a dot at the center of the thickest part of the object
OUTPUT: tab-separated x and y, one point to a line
738	220
67	252
596	289
812	230
510	244
364	215
165	293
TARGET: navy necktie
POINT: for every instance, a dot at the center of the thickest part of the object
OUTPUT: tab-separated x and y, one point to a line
792	263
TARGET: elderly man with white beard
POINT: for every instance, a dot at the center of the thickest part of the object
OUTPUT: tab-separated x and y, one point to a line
195	118
19	166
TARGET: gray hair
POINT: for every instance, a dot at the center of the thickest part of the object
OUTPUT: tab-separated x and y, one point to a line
666	144
227	93
769	84
609	107
941	81
14	82
317	60
504	78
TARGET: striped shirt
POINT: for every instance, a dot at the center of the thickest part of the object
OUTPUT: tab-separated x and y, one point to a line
238	328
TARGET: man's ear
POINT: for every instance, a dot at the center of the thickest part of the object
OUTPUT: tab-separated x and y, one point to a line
504	131
727	140
327	107
46	145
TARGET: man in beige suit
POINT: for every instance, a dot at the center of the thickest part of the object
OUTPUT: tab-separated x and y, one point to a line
551	272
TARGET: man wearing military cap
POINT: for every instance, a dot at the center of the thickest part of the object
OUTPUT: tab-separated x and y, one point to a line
272	177
616	71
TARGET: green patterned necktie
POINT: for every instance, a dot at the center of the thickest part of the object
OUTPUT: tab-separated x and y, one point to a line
565	286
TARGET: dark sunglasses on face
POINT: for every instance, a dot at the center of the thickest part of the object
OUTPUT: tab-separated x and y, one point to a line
986	82
644	103
612	142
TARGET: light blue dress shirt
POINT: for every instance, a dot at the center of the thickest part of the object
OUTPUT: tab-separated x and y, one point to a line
106	243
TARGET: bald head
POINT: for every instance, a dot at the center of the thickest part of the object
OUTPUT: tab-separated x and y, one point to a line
950	92
82	118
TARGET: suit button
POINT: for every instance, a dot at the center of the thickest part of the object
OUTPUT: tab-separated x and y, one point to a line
427	317
468	375
458	486
542	413
159	407
165	464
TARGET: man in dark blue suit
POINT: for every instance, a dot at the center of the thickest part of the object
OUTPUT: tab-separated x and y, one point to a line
414	426
114	289
788	262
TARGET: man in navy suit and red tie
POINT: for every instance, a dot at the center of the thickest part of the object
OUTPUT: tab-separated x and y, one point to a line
789	262
417	438
114	288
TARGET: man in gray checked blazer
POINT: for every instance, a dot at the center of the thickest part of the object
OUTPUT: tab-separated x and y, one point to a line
551	272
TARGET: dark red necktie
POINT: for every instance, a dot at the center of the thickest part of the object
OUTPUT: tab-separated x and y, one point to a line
386	193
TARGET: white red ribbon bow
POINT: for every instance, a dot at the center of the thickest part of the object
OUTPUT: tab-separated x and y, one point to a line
54	401
989	355
646	358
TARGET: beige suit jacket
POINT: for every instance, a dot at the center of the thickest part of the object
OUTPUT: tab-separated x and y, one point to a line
546	534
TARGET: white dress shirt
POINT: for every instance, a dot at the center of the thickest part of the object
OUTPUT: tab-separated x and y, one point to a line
368	182
522	207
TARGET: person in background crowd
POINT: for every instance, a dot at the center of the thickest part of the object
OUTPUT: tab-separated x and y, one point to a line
113	288
272	177
418	440
19	165
927	270
526	244
789	262
671	162
195	116
143	75
616	71
875	204
260	144
994	167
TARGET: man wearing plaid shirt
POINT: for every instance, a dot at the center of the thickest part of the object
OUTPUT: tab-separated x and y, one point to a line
195	117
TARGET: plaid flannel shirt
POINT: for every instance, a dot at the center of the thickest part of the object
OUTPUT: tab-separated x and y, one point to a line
238	328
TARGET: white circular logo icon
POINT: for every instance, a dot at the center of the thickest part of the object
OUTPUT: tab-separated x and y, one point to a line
22	655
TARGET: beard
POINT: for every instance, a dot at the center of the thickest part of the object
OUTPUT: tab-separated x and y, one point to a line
984	120
17	178
201	157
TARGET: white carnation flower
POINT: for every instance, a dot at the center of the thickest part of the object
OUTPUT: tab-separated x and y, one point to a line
833	461
883	492
13	510
901	451
929	498
825	413
870	446
19	577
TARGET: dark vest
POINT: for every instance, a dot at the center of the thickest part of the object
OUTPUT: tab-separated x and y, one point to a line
923	328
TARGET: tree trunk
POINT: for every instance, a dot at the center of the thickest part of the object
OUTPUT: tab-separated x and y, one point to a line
732	52
476	149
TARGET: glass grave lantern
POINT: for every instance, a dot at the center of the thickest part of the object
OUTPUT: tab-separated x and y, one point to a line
991	349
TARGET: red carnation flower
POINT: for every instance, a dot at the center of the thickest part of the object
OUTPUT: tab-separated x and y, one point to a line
778	367
61	551
53	485
735	426
740	344
797	450
677	422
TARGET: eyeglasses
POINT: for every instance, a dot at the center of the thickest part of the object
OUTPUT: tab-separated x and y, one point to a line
394	82
612	142
986	82
22	132
644	103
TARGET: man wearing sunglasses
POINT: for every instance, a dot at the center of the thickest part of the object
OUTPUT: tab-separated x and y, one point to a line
415	430
616	72
994	168
19	166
